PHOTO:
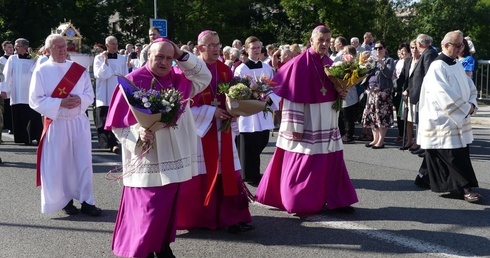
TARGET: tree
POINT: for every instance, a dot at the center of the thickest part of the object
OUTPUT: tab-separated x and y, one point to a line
437	17
36	18
479	32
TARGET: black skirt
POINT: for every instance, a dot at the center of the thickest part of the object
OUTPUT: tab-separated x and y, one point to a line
450	169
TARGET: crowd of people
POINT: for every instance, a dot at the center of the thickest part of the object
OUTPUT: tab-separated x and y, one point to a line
193	175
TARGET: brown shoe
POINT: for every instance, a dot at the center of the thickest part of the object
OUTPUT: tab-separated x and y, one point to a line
472	196
116	149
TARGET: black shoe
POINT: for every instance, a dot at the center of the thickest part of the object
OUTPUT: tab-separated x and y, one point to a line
166	253
70	209
378	147
254	183
422	182
240	228
414	149
347	209
90	210
368	145
348	141
419	151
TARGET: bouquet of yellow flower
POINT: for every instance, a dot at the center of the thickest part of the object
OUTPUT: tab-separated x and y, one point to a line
241	97
348	72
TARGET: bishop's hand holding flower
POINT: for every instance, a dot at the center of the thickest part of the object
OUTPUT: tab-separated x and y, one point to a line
347	73
153	109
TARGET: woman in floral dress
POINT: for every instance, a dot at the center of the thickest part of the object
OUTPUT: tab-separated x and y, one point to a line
378	113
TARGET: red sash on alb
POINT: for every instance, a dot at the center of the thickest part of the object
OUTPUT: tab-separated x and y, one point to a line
211	154
62	90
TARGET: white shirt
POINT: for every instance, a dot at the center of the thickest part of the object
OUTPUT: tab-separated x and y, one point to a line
106	77
257	122
17	74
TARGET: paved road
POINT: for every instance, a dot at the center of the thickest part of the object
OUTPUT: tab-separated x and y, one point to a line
393	216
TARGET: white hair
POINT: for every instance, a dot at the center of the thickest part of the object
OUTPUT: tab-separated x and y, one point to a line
109	39
49	40
227	49
424	39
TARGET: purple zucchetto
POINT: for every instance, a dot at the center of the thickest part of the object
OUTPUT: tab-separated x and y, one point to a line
322	28
203	33
161	39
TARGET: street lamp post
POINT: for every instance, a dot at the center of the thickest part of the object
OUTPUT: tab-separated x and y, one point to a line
155	8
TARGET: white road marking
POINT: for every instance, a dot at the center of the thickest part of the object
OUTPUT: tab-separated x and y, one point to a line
417	245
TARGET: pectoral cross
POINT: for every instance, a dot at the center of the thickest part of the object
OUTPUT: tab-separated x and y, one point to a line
215	102
323	90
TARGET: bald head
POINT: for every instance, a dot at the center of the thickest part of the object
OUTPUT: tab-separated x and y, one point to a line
452	44
160	56
157	46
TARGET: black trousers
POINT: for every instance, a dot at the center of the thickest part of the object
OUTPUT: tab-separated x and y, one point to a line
349	120
27	124
7	115
400	124
106	138
250	147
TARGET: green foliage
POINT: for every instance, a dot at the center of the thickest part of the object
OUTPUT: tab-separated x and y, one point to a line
273	21
479	32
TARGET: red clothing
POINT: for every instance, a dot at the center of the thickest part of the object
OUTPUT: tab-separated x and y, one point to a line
214	200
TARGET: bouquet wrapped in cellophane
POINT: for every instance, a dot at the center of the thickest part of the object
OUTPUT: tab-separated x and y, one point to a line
348	72
245	97
153	109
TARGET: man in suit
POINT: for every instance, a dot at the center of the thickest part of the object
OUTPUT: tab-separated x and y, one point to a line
427	55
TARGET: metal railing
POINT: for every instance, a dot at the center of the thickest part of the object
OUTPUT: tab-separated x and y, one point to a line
482	79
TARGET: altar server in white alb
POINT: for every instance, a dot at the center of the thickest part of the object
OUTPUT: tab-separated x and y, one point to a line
61	91
26	122
107	66
447	101
254	129
8	49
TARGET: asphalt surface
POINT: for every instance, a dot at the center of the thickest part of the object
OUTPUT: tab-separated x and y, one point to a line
393	217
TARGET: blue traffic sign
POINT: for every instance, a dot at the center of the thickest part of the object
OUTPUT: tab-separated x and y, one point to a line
161	24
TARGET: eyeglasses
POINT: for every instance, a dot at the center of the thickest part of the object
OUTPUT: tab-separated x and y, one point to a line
378	48
456	45
413	47
212	45
58	47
